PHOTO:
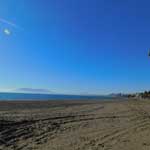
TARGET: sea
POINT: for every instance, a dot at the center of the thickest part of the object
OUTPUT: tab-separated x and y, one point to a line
29	96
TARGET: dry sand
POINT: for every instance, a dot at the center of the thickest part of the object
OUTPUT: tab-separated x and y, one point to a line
75	125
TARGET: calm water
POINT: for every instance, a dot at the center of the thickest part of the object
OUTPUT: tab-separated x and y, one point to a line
21	96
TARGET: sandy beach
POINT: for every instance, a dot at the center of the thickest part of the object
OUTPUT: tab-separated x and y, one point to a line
75	125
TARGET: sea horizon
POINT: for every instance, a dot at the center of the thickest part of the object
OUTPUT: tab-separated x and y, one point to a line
48	96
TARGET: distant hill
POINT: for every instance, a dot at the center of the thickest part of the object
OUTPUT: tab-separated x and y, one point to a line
32	90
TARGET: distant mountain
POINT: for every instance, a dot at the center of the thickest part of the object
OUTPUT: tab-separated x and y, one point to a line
32	90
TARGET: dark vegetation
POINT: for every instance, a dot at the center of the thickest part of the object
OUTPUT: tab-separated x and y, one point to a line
145	94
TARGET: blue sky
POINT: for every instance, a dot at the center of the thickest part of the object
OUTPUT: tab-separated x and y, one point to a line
75	46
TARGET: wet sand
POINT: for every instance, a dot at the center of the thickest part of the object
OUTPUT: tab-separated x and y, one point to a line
75	125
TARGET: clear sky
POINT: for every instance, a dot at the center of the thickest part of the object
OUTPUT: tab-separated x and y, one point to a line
75	46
